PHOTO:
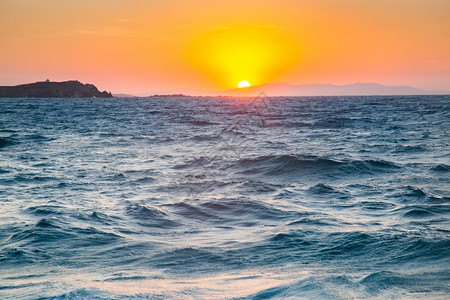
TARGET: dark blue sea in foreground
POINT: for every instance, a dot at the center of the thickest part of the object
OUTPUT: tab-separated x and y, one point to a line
211	198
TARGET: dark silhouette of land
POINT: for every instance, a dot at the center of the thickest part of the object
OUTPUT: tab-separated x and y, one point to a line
76	89
47	89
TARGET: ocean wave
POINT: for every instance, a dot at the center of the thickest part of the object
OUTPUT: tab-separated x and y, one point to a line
116	177
410	149
201	138
189	259
335	122
244	209
376	205
150	216
233	212
441	168
382	284
44	210
202	122
314	287
144	180
17	256
52	230
258	187
378	282
38	138
192	121
46	230
199	162
325	190
86	293
408	194
314	220
34	178
312	166
5	142
347	244
435	199
191	212
433	251
423	210
194	185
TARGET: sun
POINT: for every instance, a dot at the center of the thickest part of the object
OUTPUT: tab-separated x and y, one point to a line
243	84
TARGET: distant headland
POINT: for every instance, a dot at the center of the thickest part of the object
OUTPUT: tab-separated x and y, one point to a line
49	89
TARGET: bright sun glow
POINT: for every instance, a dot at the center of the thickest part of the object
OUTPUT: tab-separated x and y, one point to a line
229	54
243	84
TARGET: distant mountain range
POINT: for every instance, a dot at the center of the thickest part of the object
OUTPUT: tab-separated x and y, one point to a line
286	89
356	89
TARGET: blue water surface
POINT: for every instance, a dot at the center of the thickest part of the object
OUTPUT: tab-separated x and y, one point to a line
210	198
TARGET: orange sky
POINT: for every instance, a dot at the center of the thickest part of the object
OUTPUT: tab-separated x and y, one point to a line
134	46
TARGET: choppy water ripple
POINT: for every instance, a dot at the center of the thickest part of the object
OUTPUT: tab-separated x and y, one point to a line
315	198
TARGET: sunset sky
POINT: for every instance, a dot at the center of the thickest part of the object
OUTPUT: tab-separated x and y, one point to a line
131	46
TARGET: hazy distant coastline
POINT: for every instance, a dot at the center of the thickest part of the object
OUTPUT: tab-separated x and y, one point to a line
286	89
292	90
48	89
76	89
355	89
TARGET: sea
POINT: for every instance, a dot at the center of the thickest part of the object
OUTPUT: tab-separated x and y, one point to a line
225	198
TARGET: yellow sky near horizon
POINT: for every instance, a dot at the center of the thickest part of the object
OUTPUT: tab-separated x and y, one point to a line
145	46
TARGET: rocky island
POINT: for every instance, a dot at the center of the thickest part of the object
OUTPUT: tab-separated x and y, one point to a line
48	89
